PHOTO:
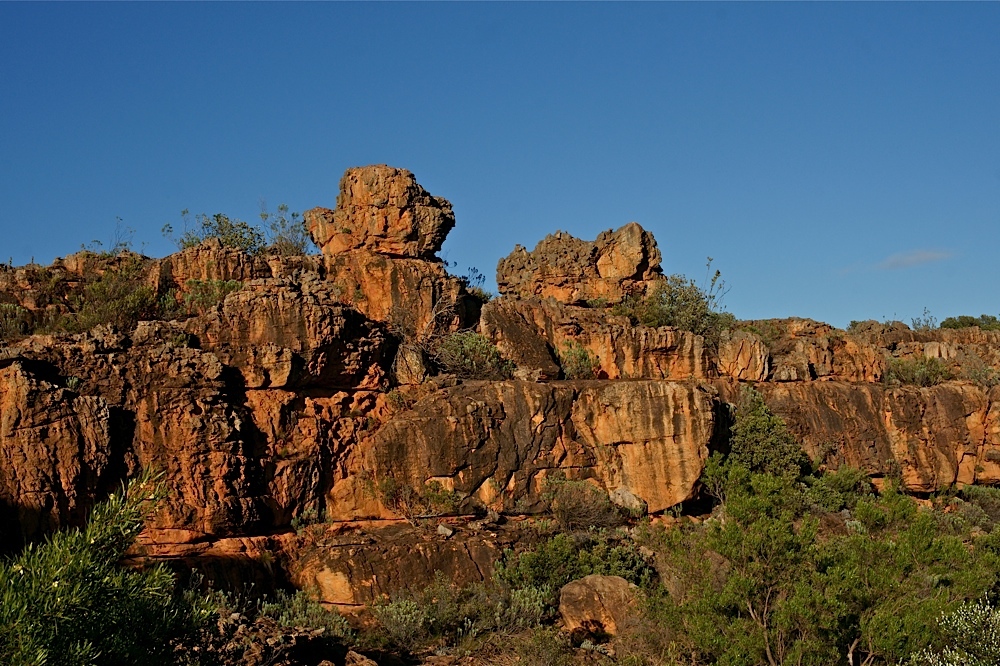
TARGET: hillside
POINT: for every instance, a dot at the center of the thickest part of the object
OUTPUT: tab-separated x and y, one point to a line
359	422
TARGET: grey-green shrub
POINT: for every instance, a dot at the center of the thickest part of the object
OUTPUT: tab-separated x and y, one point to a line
760	440
230	232
577	362
921	371
469	355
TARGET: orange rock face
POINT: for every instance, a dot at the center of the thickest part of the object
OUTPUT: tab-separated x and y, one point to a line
534	333
571	270
383	210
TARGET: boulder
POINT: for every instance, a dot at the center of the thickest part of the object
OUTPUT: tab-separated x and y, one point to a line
743	356
598	605
571	270
384	210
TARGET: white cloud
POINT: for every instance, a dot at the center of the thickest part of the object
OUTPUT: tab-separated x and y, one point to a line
913	258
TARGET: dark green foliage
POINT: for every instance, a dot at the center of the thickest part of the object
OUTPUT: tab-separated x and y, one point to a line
681	303
985	322
577	362
763	583
119	297
203	295
761	441
566	557
286	232
920	371
67	601
835	491
469	355
231	233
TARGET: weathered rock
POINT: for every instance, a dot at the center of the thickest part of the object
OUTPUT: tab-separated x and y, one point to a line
494	443
410	365
415	297
933	437
743	356
571	270
55	454
532	332
355	659
384	210
282	334
805	350
358	568
599	605
210	261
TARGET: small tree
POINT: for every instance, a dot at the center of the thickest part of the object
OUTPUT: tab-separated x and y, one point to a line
286	232
761	441
230	232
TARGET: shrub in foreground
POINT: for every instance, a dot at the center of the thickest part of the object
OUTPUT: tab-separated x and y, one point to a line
68	601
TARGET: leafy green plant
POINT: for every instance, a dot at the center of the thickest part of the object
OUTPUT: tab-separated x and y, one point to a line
975	370
230	232
120	297
679	302
971	637
299	609
286	232
984	322
200	296
469	355
577	362
920	371
68	601
760	440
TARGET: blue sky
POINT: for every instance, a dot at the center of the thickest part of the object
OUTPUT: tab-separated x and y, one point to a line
838	161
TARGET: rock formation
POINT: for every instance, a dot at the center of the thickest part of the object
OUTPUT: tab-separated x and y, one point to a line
571	270
302	397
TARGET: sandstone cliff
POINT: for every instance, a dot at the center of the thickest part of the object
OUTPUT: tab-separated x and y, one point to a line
300	395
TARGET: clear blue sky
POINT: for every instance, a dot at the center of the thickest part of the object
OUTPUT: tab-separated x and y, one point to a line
839	161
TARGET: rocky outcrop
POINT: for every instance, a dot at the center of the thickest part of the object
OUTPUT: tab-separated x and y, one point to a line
743	356
383	210
571	270
597	605
494	444
931	437
534	333
415	297
358	567
284	334
55	453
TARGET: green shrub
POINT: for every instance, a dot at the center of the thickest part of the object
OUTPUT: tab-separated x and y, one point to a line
67	601
976	371
15	321
469	355
679	302
927	322
231	233
119	298
921	371
286	232
403	620
985	322
835	491
203	295
301	611
567	557
577	504
760	440
971	637
577	362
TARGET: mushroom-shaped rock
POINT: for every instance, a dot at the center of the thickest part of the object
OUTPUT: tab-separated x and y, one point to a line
384	210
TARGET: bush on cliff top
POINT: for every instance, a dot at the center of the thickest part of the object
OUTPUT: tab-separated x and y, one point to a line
984	322
679	302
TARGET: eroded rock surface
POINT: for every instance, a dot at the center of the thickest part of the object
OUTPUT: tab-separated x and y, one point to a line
571	270
384	210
